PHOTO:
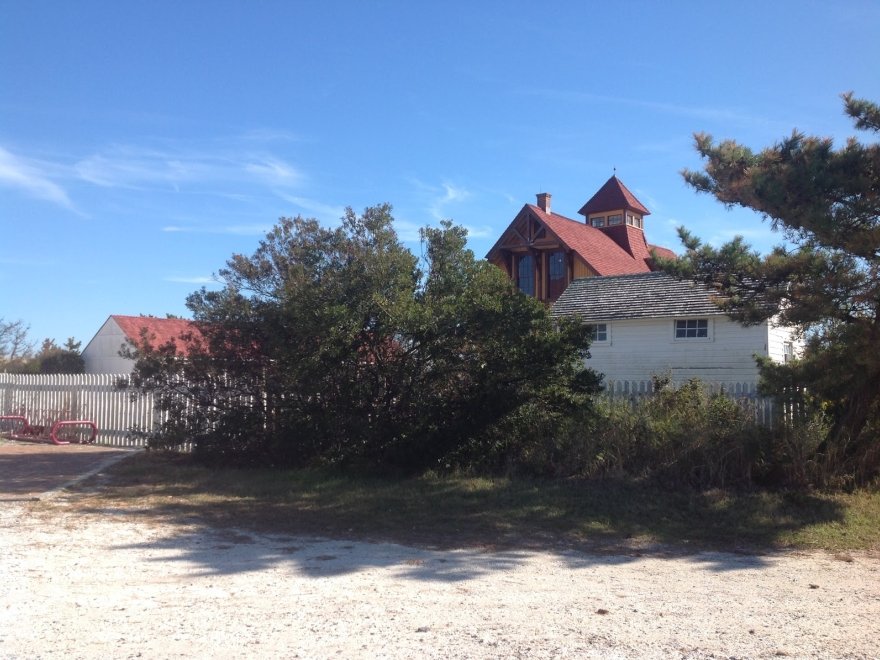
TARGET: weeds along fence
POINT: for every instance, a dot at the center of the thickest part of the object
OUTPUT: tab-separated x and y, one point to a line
765	409
44	399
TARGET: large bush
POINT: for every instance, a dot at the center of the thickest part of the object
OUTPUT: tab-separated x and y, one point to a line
339	345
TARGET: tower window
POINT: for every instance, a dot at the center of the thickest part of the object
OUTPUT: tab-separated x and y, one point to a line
615	220
598	221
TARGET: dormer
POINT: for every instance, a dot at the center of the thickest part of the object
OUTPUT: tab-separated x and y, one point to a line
614	206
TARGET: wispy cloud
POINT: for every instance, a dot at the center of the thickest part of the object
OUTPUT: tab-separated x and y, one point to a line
139	167
705	113
480	232
237	230
202	280
273	171
127	169
440	197
653	203
28	177
326	212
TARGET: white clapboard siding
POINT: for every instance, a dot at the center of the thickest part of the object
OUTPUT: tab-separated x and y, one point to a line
636	349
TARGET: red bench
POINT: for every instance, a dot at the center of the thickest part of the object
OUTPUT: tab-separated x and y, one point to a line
53	434
28	432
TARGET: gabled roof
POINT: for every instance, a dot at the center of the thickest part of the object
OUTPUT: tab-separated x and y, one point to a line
611	197
644	295
159	331
614	250
598	250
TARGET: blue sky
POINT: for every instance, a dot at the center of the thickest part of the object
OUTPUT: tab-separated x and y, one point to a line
143	143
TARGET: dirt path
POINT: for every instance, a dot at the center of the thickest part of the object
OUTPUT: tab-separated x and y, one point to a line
106	584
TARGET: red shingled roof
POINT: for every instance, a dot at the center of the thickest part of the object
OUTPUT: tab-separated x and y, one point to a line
596	247
611	197
663	252
159	331
616	250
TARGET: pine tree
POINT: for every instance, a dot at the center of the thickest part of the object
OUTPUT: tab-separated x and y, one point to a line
826	282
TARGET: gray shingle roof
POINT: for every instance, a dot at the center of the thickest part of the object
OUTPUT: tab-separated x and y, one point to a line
645	295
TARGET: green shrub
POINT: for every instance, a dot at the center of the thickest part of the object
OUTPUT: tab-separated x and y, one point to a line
677	436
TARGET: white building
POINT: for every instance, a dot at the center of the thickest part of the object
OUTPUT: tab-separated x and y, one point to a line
101	355
654	324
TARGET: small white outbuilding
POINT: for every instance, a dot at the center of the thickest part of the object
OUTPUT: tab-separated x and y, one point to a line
654	324
101	355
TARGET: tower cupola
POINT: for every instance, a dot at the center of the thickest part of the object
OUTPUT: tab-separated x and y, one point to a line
614	205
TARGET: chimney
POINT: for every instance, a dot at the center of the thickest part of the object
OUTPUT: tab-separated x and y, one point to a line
544	202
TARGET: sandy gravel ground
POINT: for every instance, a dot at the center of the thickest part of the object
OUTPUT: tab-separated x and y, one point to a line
106	585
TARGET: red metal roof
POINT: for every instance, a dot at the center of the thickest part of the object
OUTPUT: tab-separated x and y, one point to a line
159	331
611	197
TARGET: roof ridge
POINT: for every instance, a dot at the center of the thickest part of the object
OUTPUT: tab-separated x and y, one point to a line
636	295
554	214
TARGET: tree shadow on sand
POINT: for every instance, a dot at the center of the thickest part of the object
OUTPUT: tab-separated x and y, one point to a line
245	520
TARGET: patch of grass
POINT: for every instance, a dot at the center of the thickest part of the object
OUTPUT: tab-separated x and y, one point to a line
459	511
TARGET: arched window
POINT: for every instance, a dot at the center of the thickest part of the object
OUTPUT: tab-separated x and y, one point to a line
556	275
525	274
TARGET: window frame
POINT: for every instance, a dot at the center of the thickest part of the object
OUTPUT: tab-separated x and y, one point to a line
615	220
696	329
598	221
597	330
551	276
533	290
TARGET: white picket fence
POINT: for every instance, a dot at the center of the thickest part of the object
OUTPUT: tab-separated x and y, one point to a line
44	399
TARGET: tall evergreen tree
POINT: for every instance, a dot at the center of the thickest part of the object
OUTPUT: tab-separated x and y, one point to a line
826	204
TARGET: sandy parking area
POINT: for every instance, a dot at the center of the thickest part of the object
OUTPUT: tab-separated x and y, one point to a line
28	469
107	584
